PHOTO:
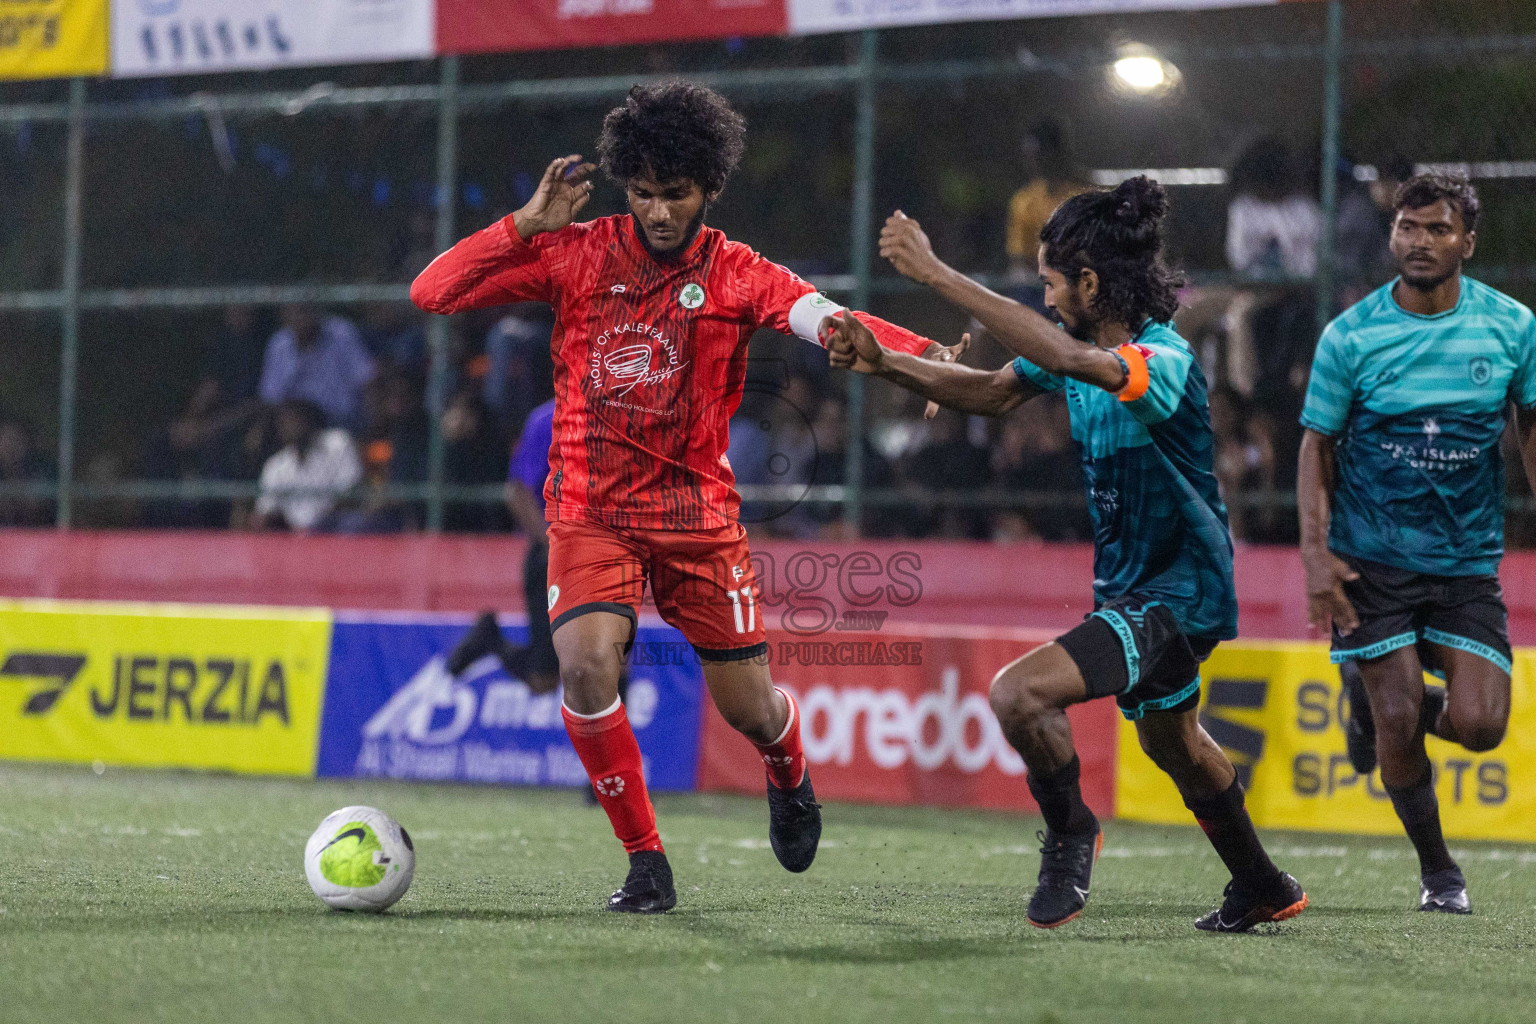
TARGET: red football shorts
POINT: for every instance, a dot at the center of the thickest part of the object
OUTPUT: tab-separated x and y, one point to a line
702	581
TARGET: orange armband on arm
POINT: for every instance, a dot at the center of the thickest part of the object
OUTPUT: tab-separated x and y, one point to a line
1137	378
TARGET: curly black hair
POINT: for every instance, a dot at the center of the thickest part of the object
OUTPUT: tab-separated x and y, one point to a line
1427	189
671	131
1118	233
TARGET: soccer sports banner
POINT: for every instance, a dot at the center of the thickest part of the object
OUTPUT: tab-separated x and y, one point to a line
52	38
169	37
393	710
902	717
1276	707
186	686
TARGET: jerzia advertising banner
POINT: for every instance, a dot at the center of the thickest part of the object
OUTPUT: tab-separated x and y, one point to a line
1275	708
393	710
162	685
52	38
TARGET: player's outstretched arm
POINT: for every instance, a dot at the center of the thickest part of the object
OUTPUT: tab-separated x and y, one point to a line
1326	573
496	266
1020	329
852	345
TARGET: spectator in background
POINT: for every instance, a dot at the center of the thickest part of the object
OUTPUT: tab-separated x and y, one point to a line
1053	177
394	451
1273	228
821	460
1365	227
951	460
1034	455
473	453
317	359
22	463
518	367
203	443
301	483
1244	464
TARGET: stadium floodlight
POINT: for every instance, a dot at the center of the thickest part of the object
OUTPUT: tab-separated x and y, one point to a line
1138	71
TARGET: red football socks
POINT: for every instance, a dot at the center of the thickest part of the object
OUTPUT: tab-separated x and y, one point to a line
608	750
785	757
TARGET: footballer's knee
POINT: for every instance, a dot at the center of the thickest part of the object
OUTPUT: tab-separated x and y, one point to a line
1397	720
760	720
591	680
1482	733
1018	696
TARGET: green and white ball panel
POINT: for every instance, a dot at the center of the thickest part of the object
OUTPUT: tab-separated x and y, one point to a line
359	859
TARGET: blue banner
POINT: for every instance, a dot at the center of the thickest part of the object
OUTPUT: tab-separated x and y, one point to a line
393	710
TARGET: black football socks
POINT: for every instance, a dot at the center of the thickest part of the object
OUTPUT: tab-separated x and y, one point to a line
1227	825
1419	810
1061	799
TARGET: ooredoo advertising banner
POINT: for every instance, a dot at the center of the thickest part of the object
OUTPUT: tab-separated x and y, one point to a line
393	710
902	717
487	26
170	37
52	38
188	686
810	16
1277	709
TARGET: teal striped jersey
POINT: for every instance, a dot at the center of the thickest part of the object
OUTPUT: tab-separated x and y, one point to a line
1159	525
1417	405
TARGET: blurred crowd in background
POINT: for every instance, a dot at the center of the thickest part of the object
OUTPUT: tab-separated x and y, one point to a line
333	400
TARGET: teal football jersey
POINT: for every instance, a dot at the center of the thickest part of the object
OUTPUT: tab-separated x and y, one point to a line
1417	405
1159	525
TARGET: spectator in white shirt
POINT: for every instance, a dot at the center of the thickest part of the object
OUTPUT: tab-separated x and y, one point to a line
302	481
320	359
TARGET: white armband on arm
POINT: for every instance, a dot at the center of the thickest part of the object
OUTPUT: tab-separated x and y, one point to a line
806	315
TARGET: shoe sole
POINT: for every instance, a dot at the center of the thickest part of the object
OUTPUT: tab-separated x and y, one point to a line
1098	847
1273	917
1431	909
619	909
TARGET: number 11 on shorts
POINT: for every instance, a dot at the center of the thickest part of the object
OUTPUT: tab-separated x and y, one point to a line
736	597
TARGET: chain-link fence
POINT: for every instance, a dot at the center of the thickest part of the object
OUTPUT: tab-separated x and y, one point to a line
155	235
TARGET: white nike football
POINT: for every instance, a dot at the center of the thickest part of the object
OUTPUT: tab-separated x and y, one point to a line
359	859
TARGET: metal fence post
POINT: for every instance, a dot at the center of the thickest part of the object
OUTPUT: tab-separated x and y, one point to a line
69	315
1327	244
437	327
862	228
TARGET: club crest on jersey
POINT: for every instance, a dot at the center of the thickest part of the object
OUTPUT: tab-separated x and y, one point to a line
1480	369
691	297
554	596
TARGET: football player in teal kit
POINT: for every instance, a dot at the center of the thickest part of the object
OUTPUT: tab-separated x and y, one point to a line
1163	589
1401	491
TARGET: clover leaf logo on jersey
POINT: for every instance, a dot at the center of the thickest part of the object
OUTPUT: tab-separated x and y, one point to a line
1481	370
691	297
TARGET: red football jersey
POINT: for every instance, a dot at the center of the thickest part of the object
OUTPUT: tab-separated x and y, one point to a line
650	358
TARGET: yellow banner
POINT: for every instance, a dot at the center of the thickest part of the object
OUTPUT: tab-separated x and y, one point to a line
236	689
1274	707
53	38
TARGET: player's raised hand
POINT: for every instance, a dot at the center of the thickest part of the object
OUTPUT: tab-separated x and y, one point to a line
1327	604
852	345
903	242
942	354
565	188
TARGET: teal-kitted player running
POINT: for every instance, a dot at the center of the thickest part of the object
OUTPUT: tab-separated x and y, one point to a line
1401	492
1163	588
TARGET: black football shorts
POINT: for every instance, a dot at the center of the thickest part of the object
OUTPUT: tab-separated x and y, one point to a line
1400	608
1135	650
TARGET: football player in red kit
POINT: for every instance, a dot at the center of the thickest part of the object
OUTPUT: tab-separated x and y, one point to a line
654	311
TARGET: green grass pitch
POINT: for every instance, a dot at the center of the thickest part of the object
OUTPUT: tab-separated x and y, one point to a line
138	896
